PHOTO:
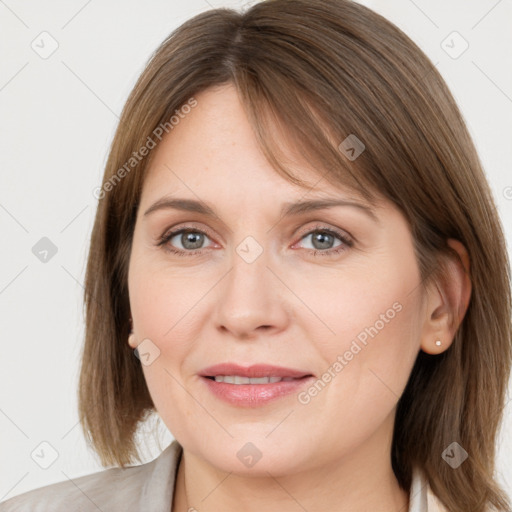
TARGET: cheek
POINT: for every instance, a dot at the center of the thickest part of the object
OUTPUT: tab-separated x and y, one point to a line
368	362
370	319
375	301
172	402
166	309
161	301
161	308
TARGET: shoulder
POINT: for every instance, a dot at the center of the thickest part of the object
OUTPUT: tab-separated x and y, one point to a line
115	489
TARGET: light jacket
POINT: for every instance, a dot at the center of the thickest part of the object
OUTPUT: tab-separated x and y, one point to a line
148	488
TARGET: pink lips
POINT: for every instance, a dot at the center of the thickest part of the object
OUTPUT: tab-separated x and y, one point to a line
253	395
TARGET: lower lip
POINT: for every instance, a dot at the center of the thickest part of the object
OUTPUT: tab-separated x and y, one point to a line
255	395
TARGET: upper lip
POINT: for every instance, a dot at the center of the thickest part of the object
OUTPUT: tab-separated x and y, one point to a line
256	370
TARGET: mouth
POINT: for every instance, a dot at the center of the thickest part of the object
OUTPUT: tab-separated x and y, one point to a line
239	379
253	386
234	373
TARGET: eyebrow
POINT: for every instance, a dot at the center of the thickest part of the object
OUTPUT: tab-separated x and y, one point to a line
297	208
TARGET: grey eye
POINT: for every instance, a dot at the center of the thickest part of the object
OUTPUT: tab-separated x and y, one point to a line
190	240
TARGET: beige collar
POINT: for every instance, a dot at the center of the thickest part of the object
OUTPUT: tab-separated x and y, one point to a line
422	499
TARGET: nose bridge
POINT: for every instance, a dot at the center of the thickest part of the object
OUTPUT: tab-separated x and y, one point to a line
248	279
249	299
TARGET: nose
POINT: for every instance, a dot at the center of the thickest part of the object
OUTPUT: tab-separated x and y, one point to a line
251	300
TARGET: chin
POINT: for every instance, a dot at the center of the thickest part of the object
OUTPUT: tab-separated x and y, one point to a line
257	458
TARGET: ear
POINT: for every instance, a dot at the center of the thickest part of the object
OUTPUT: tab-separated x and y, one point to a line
447	301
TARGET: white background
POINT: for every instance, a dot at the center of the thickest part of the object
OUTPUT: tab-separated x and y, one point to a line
58	117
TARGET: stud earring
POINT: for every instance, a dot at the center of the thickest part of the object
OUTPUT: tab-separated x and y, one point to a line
438	343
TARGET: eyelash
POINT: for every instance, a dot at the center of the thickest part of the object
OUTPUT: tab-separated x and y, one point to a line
346	241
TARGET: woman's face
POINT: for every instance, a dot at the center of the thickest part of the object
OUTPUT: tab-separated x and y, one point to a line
332	293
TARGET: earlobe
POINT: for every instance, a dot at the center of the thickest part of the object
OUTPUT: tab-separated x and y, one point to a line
132	341
448	301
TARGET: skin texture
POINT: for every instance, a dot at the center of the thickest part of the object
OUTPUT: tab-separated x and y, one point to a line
288	308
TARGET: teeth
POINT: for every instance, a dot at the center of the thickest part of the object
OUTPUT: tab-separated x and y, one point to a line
237	379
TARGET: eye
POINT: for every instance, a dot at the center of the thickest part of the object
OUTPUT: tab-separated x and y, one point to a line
190	239
322	240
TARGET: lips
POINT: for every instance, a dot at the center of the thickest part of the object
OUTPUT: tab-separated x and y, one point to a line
254	371
267	383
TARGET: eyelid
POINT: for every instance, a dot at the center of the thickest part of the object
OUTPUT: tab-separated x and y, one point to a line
186	226
323	226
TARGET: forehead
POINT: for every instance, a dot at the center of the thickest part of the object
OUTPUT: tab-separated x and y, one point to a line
213	151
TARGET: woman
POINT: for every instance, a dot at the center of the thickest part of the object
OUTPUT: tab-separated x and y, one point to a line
297	263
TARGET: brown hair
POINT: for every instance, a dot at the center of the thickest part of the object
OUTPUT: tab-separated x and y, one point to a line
318	71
